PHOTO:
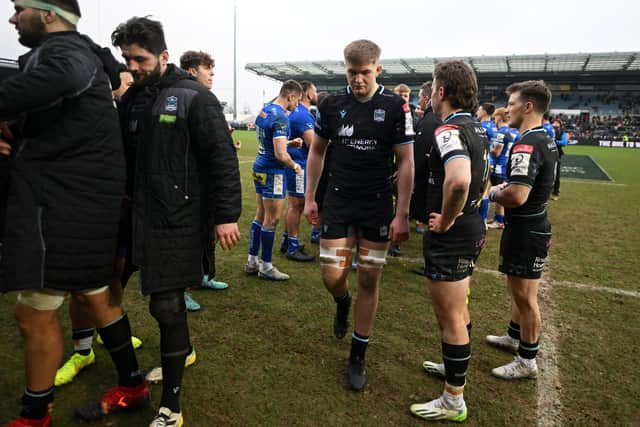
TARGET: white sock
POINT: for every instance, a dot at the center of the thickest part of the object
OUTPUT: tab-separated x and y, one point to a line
529	363
265	266
253	259
83	344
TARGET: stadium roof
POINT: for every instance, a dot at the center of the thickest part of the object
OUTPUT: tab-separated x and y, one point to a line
579	63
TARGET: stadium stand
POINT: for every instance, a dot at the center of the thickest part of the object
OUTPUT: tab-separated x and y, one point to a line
596	94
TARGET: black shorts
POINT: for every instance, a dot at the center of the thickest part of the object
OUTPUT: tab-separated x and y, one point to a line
451	256
364	218
322	190
497	179
524	247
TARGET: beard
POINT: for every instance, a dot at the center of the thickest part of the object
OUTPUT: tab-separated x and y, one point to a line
31	31
147	78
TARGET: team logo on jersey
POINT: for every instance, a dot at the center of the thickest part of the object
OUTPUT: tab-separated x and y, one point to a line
346	130
520	164
171	104
343	114
448	139
379	115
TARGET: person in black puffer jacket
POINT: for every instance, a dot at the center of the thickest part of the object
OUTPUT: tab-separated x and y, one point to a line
65	185
184	181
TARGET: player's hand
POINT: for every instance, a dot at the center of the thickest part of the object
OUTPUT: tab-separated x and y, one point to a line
436	225
5	149
5	135
296	142
238	145
394	178
227	235
297	168
399	230
311	213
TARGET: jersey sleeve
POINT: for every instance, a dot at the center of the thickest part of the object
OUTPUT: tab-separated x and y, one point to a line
280	126
525	164
322	125
449	144
403	125
300	124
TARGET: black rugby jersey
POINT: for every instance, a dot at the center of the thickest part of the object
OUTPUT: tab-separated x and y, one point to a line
363	135
459	136
532	162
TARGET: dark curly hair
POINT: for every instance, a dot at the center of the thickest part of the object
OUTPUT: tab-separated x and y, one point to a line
144	32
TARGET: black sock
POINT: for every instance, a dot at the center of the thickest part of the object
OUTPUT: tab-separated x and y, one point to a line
528	350
80	334
174	346
359	345
514	330
456	361
469	329
117	339
35	404
344	304
344	299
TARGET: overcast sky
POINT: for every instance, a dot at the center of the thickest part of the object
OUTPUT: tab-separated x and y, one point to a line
287	30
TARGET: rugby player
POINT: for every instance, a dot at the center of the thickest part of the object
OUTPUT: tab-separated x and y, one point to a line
301	124
367	125
200	65
64	181
184	185
527	234
562	140
272	126
499	156
483	114
458	175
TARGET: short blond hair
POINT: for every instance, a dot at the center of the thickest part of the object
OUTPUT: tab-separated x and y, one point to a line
402	88
362	52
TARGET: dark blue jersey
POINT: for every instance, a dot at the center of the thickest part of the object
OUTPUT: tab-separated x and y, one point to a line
271	123
300	121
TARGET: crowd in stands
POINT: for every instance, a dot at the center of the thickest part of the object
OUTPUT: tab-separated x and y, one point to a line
609	128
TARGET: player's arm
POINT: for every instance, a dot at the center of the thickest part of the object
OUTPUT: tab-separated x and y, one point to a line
511	195
60	74
315	164
405	175
455	188
280	151
307	137
525	161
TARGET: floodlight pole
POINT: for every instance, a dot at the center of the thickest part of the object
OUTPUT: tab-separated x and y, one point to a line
235	62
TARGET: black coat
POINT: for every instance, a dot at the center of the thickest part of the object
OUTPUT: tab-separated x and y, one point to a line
425	135
184	177
66	172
